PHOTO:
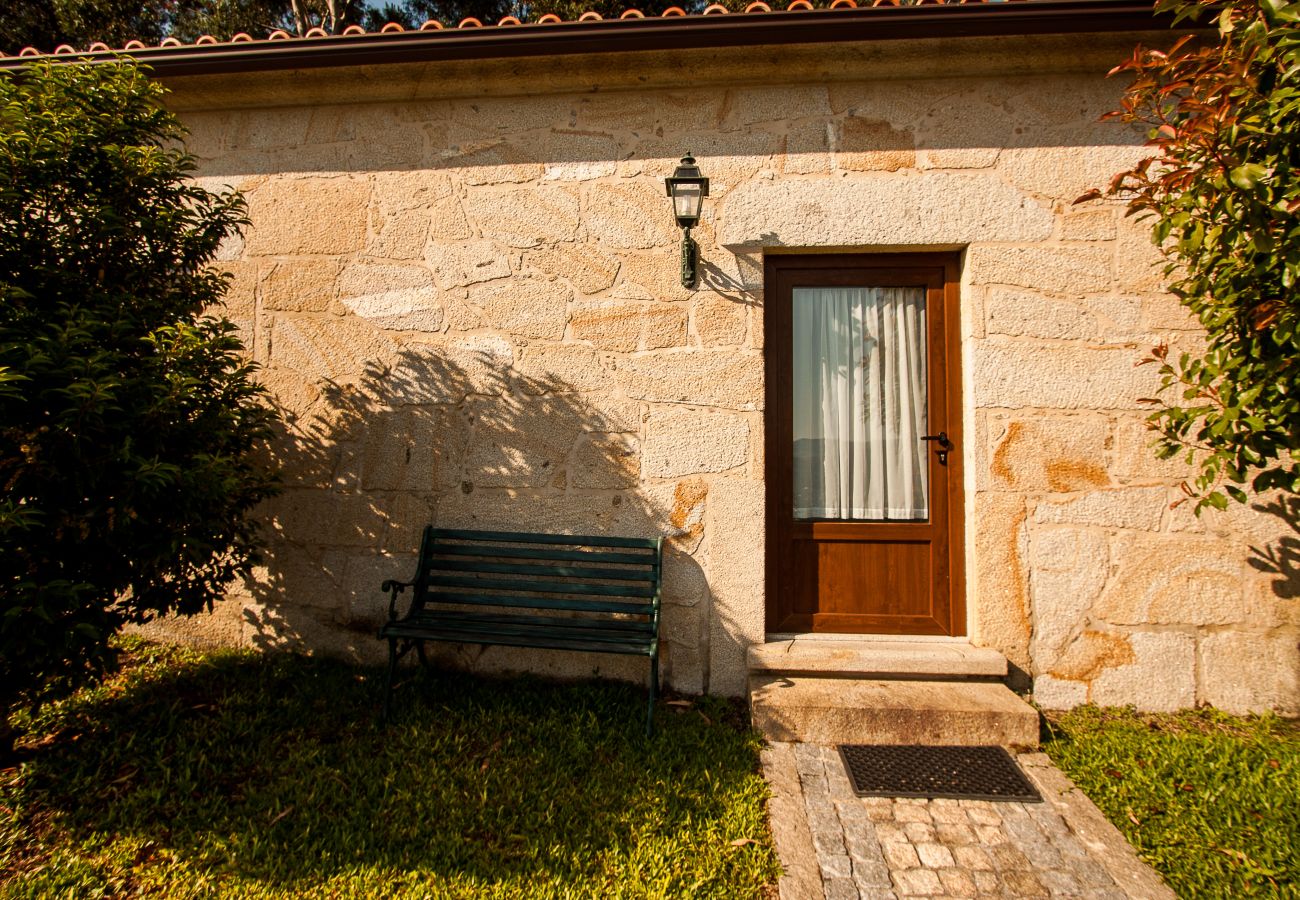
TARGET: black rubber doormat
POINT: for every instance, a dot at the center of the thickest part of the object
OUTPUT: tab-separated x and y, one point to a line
962	773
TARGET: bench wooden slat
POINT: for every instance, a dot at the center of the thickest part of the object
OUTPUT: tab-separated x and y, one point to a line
539	641
532	602
595	556
562	539
631	626
466	565
489	630
542	587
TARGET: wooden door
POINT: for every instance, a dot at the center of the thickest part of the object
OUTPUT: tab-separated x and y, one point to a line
863	446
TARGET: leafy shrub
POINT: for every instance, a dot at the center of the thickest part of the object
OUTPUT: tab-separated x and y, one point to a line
128	419
1224	193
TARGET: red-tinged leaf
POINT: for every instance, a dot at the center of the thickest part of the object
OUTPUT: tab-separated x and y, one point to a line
1167	131
1134	819
707	720
1115	773
1274	764
1093	194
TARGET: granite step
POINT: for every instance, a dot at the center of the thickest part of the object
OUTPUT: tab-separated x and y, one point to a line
839	710
877	658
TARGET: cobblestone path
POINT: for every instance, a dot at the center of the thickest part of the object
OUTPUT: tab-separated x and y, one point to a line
835	845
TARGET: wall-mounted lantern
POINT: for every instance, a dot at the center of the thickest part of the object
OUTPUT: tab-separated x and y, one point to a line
688	189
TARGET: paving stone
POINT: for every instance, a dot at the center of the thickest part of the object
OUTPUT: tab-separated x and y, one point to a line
1048	819
835	865
1041	854
946	810
861	840
1022	829
982	815
919	832
880	813
957	883
900	855
922	882
815	786
908	813
838	783
823	818
870	874
808	760
829	843
990	835
1023	884
1091	874
851	811
840	889
1006	858
987	883
889	832
935	856
956	835
1058	882
972	858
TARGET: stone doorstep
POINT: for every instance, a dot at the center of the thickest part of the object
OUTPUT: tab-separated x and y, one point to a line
876	658
879	711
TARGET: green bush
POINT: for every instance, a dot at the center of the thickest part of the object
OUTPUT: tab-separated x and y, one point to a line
1223	194
129	424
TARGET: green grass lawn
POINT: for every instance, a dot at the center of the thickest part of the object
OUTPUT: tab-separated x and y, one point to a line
235	775
1211	801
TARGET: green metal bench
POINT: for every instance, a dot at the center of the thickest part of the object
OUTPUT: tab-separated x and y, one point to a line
558	592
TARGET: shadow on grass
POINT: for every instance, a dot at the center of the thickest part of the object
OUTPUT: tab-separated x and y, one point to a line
270	775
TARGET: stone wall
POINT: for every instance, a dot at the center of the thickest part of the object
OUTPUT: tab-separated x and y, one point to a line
469	309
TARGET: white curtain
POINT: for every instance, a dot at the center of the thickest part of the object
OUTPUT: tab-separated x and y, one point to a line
859	403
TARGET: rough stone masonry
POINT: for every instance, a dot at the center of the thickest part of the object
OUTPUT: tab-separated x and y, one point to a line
461	282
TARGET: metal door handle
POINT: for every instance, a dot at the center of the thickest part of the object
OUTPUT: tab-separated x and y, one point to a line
944	445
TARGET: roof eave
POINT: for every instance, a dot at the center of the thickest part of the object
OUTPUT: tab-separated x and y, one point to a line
880	23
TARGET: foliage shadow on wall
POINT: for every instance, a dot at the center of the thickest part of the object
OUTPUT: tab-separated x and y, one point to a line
472	443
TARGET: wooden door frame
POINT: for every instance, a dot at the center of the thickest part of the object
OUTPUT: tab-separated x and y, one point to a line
778	461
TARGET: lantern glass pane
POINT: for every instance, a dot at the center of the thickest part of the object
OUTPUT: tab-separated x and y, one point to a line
687	200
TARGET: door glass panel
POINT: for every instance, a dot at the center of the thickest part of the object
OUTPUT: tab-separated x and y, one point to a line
860	404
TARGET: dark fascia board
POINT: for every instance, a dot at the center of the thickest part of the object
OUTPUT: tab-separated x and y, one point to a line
880	23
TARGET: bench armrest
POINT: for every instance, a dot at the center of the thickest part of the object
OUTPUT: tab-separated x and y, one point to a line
393	587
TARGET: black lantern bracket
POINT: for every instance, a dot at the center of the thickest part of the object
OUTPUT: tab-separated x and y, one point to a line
688	188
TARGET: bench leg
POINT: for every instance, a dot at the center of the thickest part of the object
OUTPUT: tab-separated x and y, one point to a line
392	675
650	706
424	660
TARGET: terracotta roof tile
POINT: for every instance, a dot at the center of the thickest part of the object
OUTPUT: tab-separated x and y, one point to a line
1070	14
433	25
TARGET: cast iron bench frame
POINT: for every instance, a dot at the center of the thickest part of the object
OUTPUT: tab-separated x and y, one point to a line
472	587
